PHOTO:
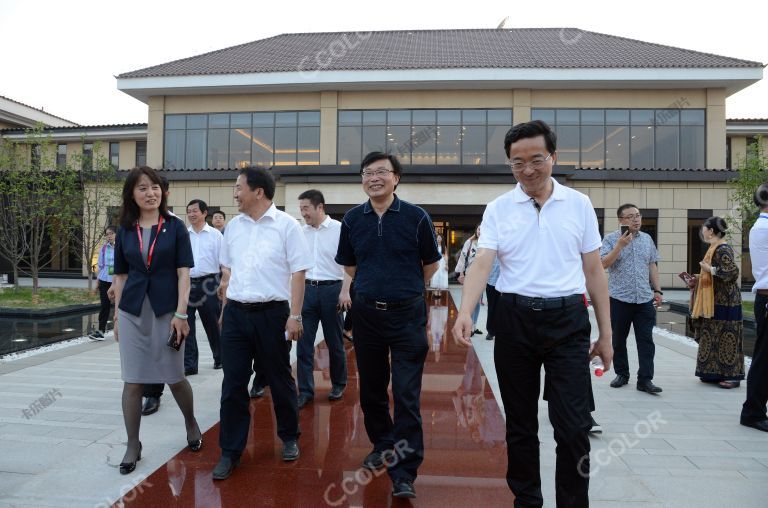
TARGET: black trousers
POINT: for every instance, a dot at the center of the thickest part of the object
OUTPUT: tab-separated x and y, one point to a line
493	299
526	339
757	379
320	306
204	301
247	334
392	342
106	305
643	317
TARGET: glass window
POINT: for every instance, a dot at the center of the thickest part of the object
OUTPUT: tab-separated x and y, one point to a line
196	150
567	144
399	141
263	145
285	145
87	157
668	117
449	117
286	119
641	146
617	117
473	144
545	115
567	117
423	144
175	122
641	116
114	155
239	147
424	117
617	147
61	155
218	148
667	147
448	144
240	120
349	117
174	150
399	117
473	117
219	120
374	139
309	146
592	116
374	118
500	117
692	147
349	146
141	153
199	122
692	117
495	150
309	118
592	146
263	119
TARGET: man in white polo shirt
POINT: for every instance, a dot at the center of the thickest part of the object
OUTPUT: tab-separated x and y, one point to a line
206	246
548	245
326	296
263	259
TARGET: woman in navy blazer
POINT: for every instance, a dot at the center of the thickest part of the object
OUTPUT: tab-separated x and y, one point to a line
153	256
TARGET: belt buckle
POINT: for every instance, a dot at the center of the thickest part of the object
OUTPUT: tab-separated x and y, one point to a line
537	304
381	305
314	283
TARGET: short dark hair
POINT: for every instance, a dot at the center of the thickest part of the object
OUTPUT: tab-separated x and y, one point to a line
761	196
200	204
377	156
623	207
224	215
129	210
259	177
716	224
314	196
531	130
110	228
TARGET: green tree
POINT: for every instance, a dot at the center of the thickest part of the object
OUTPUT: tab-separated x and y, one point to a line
753	171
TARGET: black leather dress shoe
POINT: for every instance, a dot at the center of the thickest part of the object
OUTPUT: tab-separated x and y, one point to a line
190	372
128	467
403	488
337	392
257	392
224	468
648	387
151	405
217	365
756	424
490	336
290	451
619	381
304	399
375	460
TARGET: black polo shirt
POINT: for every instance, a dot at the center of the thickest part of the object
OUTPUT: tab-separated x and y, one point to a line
388	251
160	283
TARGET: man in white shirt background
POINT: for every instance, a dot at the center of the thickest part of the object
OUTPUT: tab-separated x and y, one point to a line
263	260
206	246
326	296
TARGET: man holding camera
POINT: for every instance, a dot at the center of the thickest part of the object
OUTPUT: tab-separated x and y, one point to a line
631	258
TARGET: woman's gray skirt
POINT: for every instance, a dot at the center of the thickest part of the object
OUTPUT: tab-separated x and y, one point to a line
144	355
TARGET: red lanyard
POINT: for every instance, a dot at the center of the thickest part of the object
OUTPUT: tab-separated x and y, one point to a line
151	247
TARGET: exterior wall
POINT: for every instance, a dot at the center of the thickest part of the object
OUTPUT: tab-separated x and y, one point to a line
739	149
155	126
127	155
715	129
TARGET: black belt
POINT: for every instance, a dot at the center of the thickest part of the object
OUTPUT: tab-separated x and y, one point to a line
256	306
379	305
537	303
199	279
321	282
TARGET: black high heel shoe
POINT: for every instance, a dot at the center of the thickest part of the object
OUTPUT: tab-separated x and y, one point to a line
128	467
196	444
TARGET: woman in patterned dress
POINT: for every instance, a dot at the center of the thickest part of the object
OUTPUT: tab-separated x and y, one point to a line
718	303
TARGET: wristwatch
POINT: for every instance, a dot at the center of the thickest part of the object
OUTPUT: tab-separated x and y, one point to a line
296	317
657	291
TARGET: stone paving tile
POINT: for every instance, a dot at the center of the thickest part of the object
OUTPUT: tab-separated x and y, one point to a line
660	461
700	444
728	463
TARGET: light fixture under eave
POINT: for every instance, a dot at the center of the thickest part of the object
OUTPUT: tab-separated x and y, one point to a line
68	330
19	340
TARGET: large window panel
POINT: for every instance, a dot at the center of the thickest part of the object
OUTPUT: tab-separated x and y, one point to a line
617	146
398	142
473	117
692	147
495	151
375	118
448	144
545	115
263	146
500	117
374	139
641	143
567	145
592	146
218	148
215	121
399	117
240	121
667	147
286	119
285	144
449	117
239	147
349	146
174	150
567	117
423	143
309	119
196	150
473	144
175	121
350	117
309	146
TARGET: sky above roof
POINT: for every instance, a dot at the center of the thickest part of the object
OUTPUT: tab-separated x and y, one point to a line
65	60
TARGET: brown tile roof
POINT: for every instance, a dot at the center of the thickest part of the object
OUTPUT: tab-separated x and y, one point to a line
562	48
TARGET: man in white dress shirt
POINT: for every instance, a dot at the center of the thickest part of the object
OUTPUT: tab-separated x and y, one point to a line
326	297
548	244
206	246
263	260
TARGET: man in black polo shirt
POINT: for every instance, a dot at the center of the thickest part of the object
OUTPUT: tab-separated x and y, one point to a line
388	247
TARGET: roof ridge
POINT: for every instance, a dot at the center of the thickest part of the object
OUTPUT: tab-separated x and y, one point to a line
36	109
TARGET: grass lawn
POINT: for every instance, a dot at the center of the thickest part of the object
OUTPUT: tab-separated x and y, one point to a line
49	297
748	308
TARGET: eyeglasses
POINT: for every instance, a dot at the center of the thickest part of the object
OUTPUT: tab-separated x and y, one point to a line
376	172
633	217
535	164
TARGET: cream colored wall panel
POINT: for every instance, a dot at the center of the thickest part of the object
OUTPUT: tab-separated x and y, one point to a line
701	185
521	109
647	185
426	99
679	252
634	196
674	267
671	213
156	119
127	155
666	280
679	225
618	98
687	199
659	198
738	150
666	252
715	130
200	192
246	102
221	196
619	185
715	198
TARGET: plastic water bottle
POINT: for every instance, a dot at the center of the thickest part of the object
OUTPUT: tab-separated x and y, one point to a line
596	364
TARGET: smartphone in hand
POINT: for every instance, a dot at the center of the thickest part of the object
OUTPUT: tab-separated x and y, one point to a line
624	229
172	341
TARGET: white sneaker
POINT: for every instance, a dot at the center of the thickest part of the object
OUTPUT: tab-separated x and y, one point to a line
96	335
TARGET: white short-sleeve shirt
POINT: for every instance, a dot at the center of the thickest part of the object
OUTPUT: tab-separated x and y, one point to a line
206	247
323	242
540	253
262	255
